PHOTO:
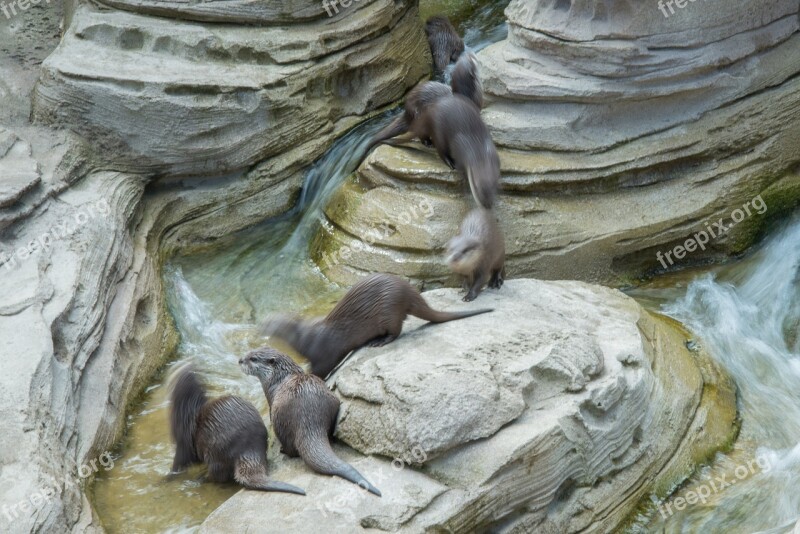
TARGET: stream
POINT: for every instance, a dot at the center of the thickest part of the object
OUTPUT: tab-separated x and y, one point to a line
747	316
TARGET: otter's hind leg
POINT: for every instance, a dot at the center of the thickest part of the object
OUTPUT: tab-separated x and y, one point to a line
497	280
477	284
251	474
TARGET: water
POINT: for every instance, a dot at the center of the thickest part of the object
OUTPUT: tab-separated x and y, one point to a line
747	316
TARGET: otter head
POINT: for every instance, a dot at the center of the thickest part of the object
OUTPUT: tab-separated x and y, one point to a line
269	366
464	254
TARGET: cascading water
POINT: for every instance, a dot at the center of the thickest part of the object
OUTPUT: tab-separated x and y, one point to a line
747	315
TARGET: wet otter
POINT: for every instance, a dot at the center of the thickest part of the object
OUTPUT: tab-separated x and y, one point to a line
465	79
445	43
419	98
371	313
303	413
478	252
462	140
226	433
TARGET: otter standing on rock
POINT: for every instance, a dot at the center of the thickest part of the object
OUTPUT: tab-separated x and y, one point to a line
371	313
445	43
478	253
227	434
303	413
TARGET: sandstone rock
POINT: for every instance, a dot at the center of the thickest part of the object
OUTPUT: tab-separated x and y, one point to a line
162	96
557	412
620	133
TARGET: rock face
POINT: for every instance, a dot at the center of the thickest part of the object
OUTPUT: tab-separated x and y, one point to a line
621	132
177	97
558	412
174	132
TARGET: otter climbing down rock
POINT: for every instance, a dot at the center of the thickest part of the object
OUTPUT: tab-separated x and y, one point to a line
370	313
463	141
465	79
478	253
445	43
226	433
303	413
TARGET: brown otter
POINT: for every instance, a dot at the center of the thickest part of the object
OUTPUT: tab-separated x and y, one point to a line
445	43
370	314
462	140
478	253
465	79
419	98
226	433
303	413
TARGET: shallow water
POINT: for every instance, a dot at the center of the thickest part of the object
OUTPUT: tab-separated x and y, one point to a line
747	316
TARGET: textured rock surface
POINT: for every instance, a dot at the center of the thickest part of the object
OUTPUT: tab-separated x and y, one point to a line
184	98
621	133
580	404
87	214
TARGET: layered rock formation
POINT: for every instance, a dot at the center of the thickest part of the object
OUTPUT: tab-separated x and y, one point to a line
621	133
151	134
547	415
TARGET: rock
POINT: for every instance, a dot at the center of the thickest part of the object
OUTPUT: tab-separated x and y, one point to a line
163	96
579	405
621	133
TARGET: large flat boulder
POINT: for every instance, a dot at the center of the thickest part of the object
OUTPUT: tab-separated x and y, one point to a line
558	412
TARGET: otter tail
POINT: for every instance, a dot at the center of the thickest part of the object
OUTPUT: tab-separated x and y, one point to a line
188	396
320	457
420	308
397	127
482	192
251	475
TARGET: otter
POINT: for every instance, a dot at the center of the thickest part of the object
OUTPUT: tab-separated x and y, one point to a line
419	98
463	141
303	413
445	43
478	252
465	79
370	314
226	433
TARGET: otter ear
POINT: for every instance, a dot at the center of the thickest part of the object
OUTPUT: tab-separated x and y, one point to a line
270	360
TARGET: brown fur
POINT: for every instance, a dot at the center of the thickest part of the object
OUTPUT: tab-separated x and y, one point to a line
462	140
446	45
371	313
465	79
478	253
303	413
419	98
226	433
